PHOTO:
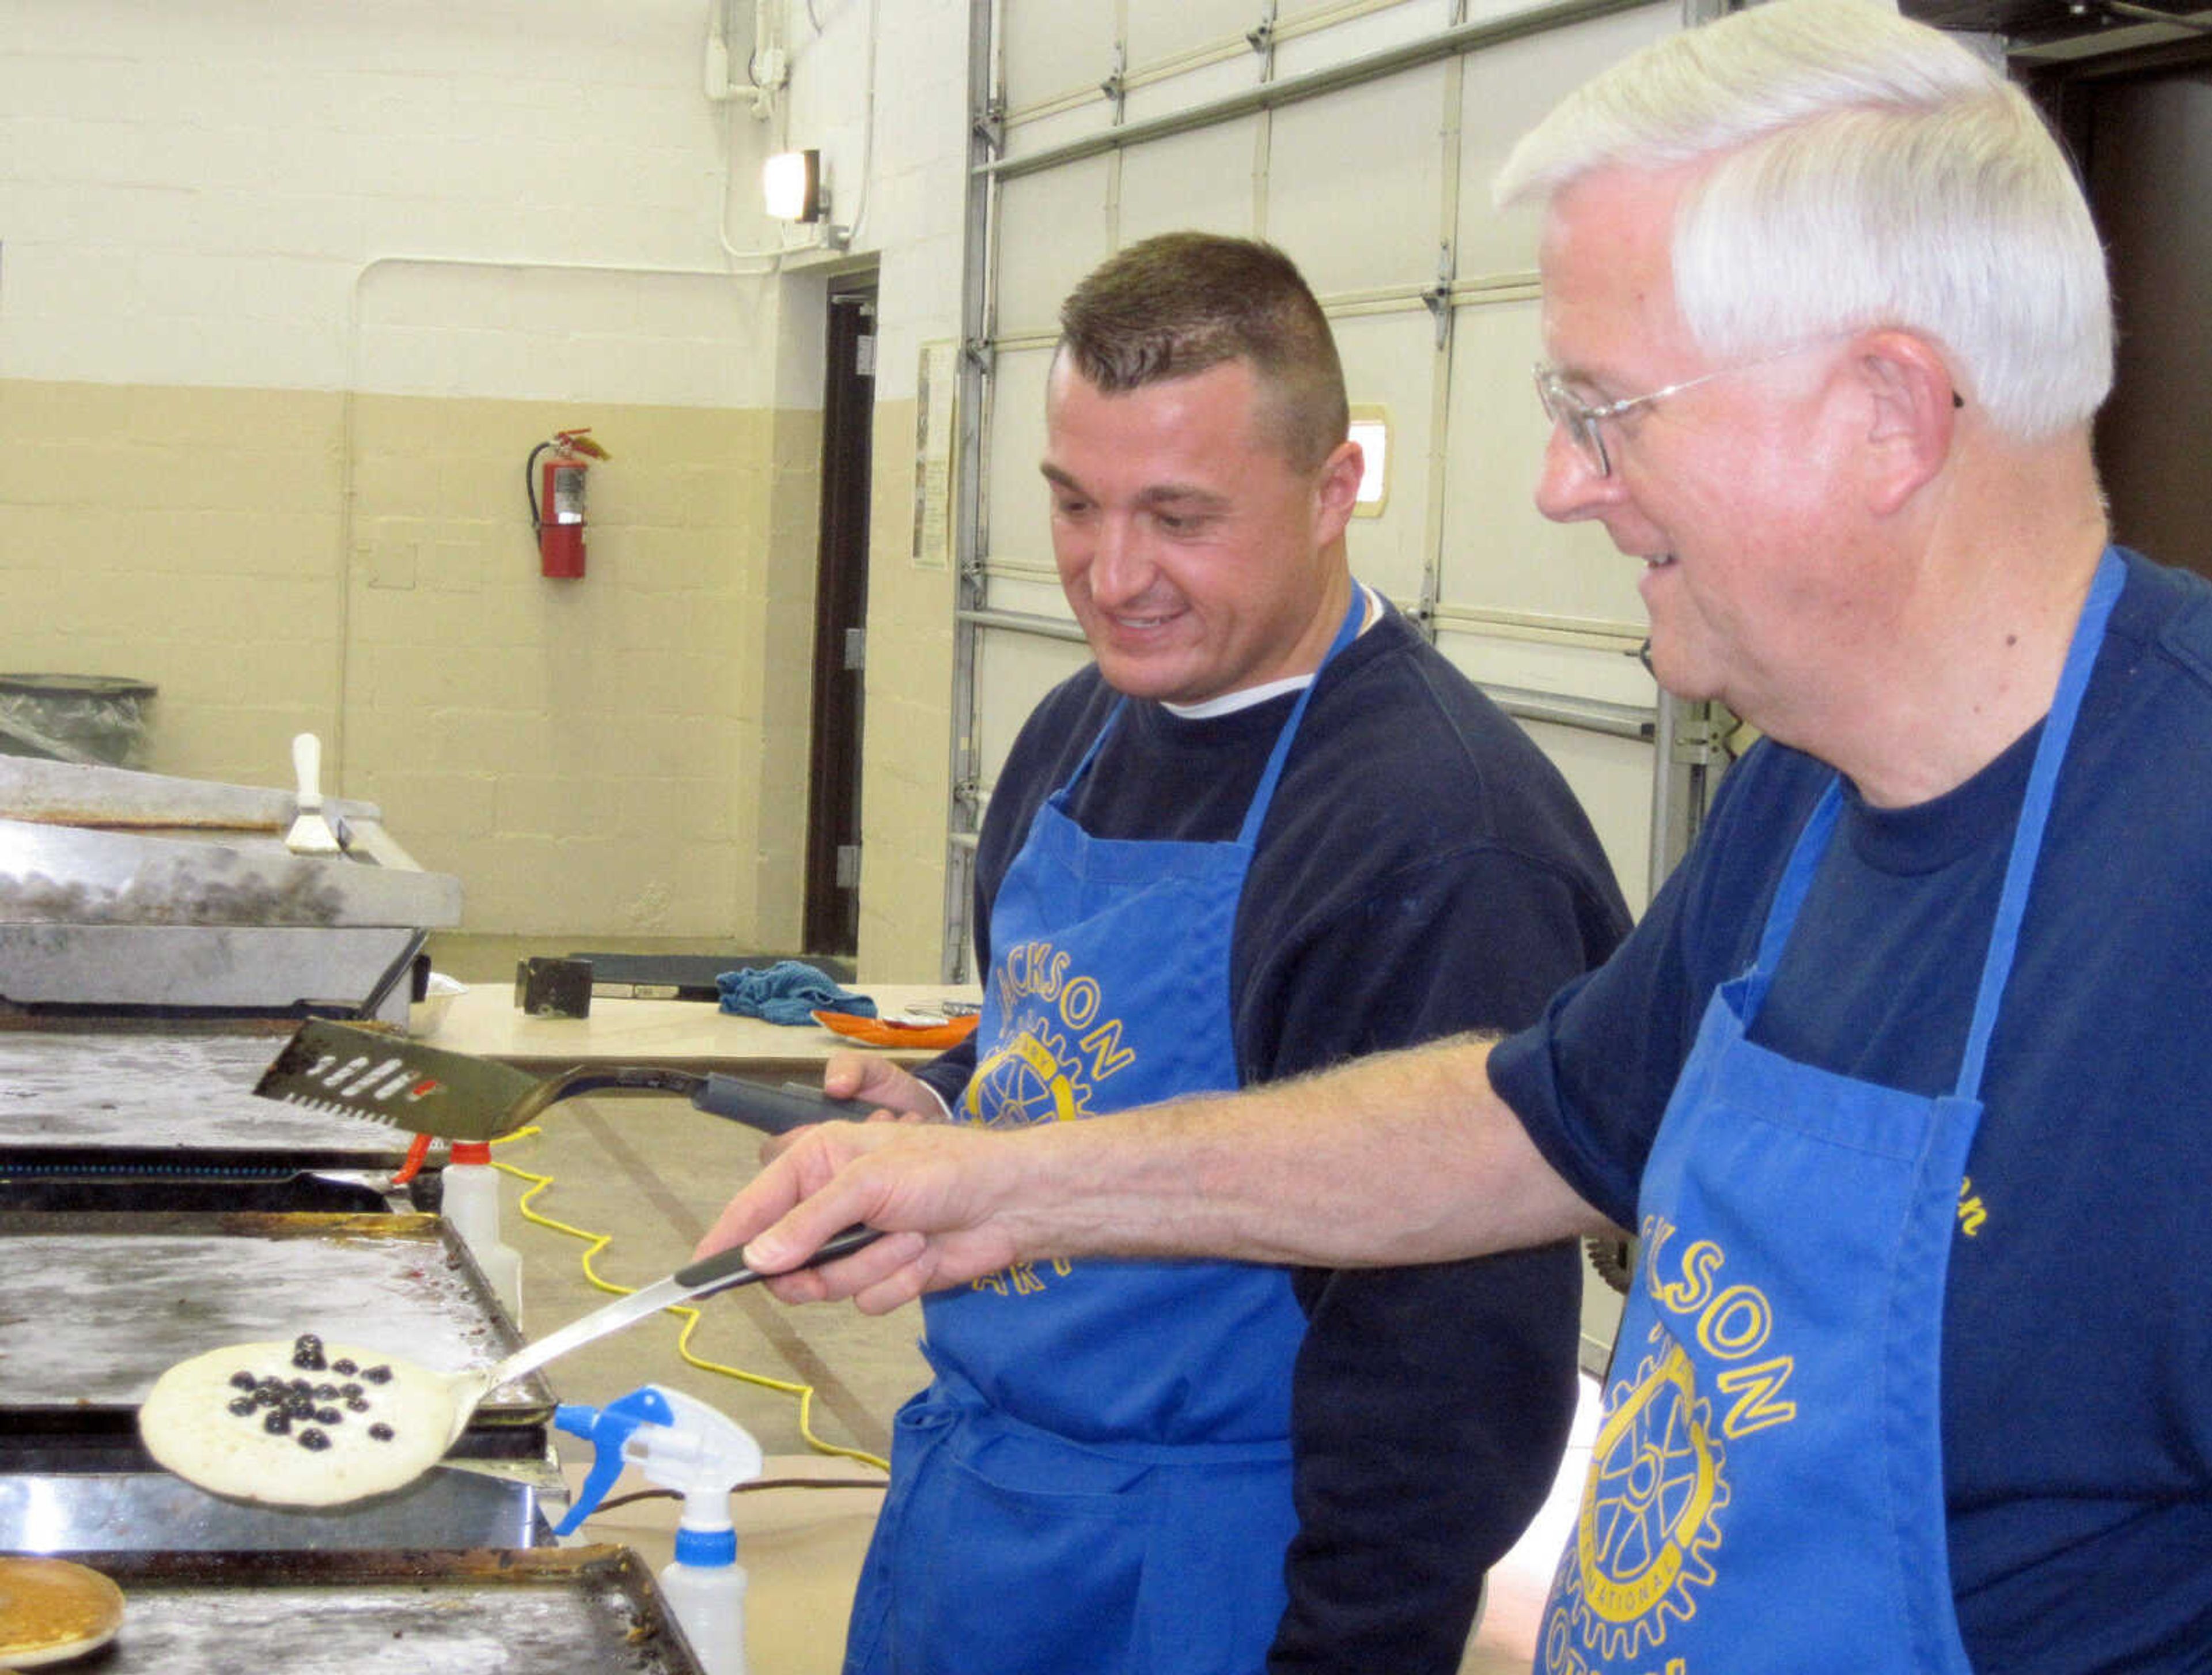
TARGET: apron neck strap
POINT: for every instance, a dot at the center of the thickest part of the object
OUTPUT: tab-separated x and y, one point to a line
2019	866
1355	615
1346	631
2035	814
1790	895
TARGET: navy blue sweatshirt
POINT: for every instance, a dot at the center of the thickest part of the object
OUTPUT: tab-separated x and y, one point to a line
1423	871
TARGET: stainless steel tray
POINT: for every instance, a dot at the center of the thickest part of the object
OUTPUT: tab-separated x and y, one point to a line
554	1610
94	1308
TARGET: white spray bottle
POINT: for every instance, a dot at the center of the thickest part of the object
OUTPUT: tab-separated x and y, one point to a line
680	1443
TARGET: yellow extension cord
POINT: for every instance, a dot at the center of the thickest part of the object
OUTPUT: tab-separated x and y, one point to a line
599	1241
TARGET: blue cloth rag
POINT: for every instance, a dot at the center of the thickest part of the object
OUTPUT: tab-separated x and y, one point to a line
788	992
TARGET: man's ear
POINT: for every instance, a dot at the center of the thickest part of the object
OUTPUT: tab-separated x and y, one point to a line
1915	406
1336	490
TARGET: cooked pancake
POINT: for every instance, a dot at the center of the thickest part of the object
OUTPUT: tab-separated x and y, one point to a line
50	1609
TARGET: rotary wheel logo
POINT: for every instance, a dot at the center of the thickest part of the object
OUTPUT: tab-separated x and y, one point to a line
1021	1082
1646	1533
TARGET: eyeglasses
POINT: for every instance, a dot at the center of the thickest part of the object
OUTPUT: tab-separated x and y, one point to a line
1583	421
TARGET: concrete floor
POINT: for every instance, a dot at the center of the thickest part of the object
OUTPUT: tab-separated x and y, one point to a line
653	1173
650	1174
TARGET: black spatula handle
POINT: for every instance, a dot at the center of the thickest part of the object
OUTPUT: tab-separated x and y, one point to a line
729	1266
772	1110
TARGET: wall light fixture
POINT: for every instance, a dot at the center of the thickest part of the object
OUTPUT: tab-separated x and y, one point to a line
791	182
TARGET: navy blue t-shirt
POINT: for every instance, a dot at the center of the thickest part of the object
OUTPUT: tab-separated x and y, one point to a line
2077	1334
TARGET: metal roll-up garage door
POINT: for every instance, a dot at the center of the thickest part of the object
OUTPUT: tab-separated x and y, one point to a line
1359	136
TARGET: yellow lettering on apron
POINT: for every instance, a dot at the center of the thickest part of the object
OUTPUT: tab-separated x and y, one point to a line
1688	1293
1106	1053
1734	1323
1079	1003
1972	1212
1754	1409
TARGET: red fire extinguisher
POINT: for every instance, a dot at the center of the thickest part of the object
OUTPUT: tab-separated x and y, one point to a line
557	499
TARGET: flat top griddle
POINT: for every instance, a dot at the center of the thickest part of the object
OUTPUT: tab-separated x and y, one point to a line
149	1510
94	1308
459	1613
149	1094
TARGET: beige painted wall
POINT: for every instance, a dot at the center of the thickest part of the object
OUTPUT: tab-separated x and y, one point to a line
185	537
279	332
621	754
908	704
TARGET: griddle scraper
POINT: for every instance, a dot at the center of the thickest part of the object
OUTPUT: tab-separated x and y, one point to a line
428	1090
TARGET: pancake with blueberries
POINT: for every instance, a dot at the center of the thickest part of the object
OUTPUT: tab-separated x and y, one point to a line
298	1424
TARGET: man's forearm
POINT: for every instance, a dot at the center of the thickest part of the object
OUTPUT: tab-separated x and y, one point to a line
1403	1157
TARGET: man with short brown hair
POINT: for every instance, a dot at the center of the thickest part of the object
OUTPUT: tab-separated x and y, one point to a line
1269	828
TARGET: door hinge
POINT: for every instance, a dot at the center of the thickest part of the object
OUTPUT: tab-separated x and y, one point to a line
856	648
848	866
864	356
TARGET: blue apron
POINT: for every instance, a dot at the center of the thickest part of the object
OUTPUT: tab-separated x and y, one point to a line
1766	1490
1098	1479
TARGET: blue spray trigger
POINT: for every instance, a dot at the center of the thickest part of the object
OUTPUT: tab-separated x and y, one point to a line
608	1429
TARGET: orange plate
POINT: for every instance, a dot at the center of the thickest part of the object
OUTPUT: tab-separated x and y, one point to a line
889	1032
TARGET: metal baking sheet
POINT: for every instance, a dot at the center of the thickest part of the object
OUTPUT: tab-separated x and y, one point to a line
94	1308
123	1511
554	1610
172	1090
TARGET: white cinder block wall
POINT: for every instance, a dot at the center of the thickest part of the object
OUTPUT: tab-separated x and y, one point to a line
287	292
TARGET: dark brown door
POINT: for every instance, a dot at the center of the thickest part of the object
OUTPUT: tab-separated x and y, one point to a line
832	923
2150	177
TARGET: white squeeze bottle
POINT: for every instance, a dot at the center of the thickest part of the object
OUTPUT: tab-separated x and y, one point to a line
469	1201
680	1443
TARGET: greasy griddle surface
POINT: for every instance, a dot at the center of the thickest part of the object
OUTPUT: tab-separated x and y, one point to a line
462	1613
94	1308
131	1511
157	1088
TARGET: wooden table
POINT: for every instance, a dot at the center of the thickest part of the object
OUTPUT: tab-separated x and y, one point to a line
682	1035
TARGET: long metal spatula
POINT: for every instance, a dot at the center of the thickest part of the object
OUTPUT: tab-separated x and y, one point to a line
704	1278
427	1090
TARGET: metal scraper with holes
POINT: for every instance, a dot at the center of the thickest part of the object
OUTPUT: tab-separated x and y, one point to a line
428	1090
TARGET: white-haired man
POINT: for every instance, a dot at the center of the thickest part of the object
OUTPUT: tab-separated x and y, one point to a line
1901	1080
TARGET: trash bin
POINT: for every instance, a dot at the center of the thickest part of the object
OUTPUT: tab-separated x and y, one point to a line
97	718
